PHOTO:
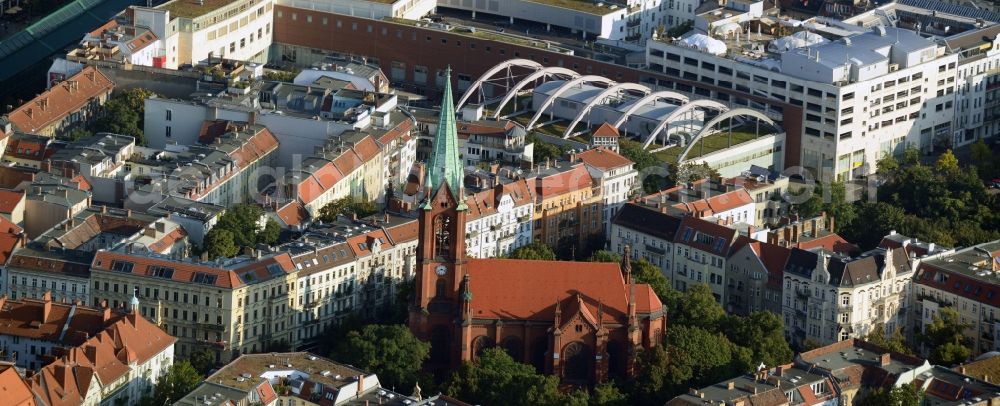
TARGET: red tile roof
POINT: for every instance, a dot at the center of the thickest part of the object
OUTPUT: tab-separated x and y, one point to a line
61	100
9	199
485	202
717	204
603	158
212	129
292	213
831	242
27	318
606	130
185	272
525	289
773	256
106	355
13	389
575	179
168	240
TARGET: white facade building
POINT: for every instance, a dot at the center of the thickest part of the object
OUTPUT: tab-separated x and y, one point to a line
238	30
617	176
499	219
829	297
872	93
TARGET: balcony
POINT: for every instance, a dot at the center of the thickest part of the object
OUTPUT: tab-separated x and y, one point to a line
214	343
803	294
210	327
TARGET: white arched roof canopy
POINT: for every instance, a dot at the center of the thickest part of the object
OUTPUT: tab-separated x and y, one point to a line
552	70
562	89
681	110
607	92
663	94
525	63
707	129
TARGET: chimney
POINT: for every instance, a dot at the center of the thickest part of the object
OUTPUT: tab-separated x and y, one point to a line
161	226
884	359
750	230
107	312
361	384
780	370
252	120
731	385
47	307
831	225
3	300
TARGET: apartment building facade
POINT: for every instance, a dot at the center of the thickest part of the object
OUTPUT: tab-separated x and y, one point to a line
500	217
616	174
230	307
828	297
964	280
569	212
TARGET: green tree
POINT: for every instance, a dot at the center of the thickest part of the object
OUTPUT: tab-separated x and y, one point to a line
947	162
903	395
604	256
645	272
608	394
874	220
894	342
652	377
697	308
496	379
243	220
280	75
203	360
181	378
124	114
542	150
984	160
945	338
699	357
535	250
270	234
220	242
345	207
763	333
635	153
391	351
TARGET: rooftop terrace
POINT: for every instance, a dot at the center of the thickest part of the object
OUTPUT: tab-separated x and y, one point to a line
193	8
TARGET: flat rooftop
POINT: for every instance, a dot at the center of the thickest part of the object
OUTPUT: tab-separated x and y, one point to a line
193	8
586	6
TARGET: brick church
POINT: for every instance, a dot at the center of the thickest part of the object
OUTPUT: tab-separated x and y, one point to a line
581	321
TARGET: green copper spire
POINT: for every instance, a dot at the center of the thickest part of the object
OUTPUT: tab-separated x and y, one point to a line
445	166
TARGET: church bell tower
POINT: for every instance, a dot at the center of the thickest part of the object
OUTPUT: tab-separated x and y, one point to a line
441	257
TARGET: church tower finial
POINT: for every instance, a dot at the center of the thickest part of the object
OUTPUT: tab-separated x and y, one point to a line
444	168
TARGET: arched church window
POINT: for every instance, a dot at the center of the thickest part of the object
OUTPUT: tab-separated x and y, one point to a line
578	361
441	288
514	347
480	344
442	237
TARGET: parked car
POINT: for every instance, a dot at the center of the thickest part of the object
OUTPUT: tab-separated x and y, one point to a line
995	183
